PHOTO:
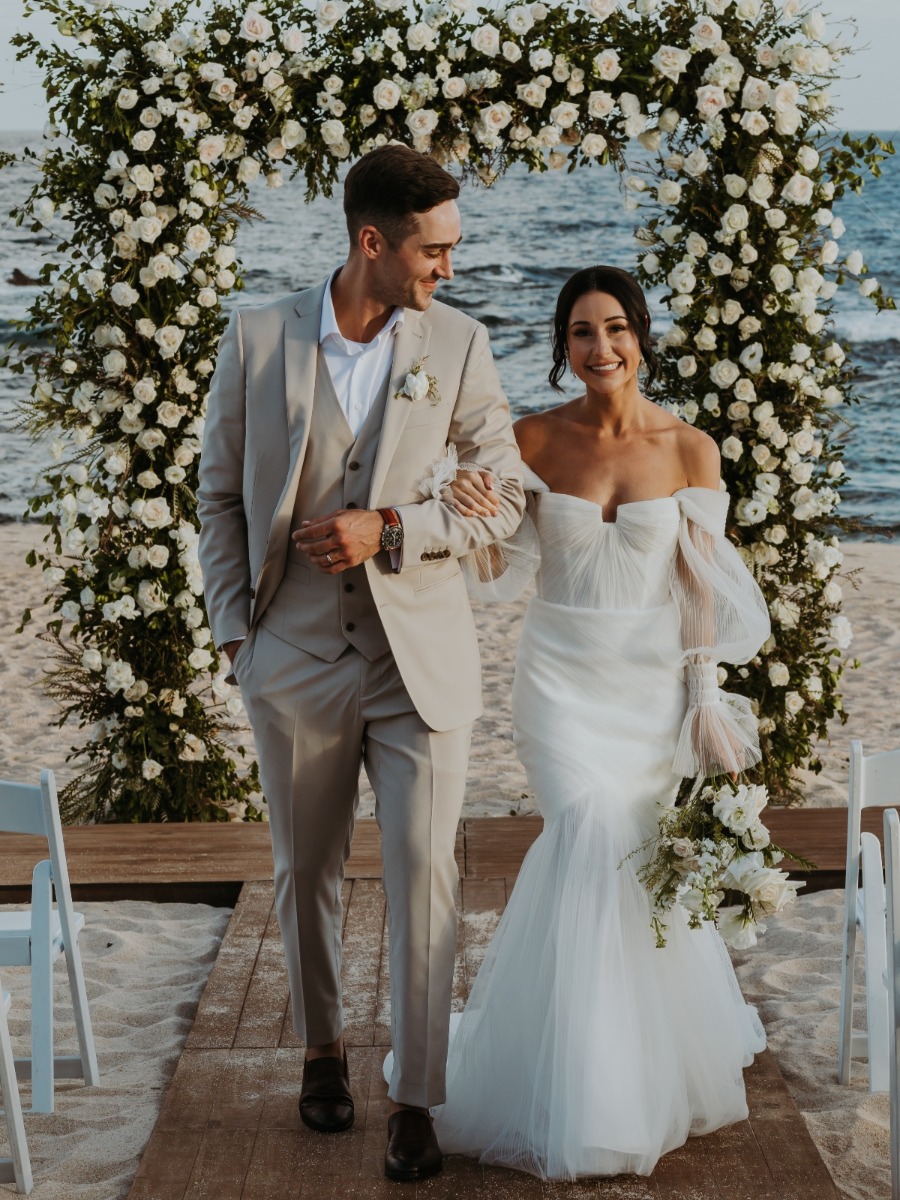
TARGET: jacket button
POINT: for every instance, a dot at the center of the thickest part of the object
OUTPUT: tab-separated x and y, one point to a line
348	587
354	466
351	504
349	626
423	556
445	554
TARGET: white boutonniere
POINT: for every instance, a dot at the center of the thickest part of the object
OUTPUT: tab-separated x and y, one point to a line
419	384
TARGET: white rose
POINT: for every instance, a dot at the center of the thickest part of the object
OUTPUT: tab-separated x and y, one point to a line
169	339
211	148
91	660
606	65
150	768
170	414
519	19
155	512
422	122
711	99
197	238
798	189
531	93
127	98
386	94
332	132
486	40
601	9
150	597
600	104
841	631
419	36
671	61
668	192
681	278
781	277
158	556
720	264
706	33
114	363
735	218
732	448
808	158
592	145
496	116
779	675
724	373
119	676
696	163
255	27
737	932
123	294
564	115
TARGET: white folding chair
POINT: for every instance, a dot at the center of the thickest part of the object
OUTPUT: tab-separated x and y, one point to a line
892	872
36	938
874	779
17	1169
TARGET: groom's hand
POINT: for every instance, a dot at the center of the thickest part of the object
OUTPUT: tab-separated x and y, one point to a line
341	539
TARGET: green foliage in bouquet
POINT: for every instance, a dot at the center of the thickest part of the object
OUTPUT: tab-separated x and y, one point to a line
160	124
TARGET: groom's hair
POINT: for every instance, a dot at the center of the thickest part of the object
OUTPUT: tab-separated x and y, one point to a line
388	186
624	288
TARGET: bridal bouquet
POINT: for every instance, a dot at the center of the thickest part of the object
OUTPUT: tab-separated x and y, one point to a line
715	843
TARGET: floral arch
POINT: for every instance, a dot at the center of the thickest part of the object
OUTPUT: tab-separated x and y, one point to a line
160	123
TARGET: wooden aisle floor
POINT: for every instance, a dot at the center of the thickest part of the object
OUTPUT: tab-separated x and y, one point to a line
229	1128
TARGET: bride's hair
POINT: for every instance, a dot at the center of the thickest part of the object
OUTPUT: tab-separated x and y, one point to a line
615	282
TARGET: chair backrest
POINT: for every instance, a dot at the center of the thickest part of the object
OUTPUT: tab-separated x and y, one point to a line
34	808
874	780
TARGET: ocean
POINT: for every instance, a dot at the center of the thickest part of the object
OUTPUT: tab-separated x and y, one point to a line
521	240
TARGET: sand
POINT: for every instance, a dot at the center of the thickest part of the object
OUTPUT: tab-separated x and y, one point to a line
146	964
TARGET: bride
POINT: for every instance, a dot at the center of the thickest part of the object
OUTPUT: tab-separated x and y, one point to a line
583	1049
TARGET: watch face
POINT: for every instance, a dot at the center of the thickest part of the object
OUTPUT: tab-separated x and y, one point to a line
392	537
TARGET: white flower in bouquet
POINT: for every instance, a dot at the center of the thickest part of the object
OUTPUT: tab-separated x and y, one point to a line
841	631
123	294
606	65
496	116
519	19
798	189
532	93
737	931
255	27
668	192
564	114
732	448
153	513
193	750
114	363
119	676
769	889
593	144
696	163
671	61
687	366
724	373
681	278
486	40
422	122
150	597
127	98
721	264
706	33
169	339
779	675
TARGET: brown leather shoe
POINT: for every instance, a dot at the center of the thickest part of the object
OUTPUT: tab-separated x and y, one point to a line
412	1150
326	1104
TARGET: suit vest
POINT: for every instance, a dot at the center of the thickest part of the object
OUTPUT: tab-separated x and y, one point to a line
323	614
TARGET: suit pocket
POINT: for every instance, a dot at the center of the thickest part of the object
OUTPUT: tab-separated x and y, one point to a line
427	414
434	576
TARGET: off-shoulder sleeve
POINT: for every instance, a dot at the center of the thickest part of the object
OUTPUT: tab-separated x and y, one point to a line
503	571
723	619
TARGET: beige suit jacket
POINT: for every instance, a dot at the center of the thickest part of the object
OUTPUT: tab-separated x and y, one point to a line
254	449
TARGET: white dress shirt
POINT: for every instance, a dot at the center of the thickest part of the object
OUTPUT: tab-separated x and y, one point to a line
358	369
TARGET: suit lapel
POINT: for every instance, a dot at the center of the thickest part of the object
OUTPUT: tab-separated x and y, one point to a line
301	345
411	345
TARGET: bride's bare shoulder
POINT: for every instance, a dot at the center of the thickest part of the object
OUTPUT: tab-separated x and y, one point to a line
700	457
532	431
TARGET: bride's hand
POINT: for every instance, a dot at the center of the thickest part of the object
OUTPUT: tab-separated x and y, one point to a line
472	494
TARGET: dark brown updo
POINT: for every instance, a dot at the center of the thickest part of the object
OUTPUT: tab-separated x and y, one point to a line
615	282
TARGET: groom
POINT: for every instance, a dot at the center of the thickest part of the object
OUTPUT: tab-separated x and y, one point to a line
335	589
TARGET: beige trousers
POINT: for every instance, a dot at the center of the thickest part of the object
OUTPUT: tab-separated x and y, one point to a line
314	723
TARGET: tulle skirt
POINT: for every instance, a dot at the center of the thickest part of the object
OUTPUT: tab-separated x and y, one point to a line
583	1049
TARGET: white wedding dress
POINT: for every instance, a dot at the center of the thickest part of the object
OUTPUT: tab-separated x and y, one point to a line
583	1049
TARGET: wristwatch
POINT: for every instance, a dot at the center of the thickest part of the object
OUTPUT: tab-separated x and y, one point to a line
392	534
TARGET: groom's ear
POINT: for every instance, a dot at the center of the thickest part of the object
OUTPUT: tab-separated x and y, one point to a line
371	242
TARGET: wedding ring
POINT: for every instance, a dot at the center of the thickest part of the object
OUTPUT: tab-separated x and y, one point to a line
328	559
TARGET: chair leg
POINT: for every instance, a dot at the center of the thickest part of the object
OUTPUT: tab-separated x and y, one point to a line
89	1069
845	1025
21	1163
876	963
41	997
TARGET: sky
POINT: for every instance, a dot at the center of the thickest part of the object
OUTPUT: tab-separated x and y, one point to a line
869	97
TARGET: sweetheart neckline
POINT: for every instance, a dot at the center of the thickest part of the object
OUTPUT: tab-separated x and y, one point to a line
625	504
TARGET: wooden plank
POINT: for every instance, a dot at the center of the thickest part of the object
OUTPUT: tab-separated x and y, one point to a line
166	1165
363	936
189	1097
268	995
495	846
222	1165
240	1091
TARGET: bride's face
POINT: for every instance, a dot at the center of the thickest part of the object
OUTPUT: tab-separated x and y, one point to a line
604	351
